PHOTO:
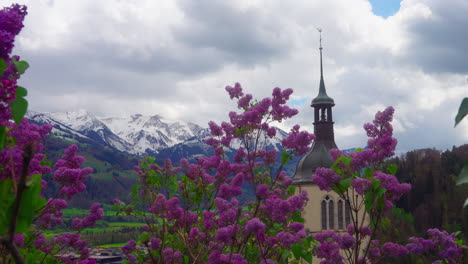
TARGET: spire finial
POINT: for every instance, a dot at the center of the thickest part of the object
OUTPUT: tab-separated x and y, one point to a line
321	67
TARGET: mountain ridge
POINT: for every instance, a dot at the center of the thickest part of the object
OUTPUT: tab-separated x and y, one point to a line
136	134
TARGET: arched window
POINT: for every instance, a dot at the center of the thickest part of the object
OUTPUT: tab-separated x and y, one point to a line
331	214
347	214
324	214
340	214
328	213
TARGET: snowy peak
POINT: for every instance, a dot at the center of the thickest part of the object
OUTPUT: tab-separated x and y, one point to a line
80	124
79	120
153	132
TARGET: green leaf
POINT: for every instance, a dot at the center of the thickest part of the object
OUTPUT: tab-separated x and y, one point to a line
341	186
285	157
6	204
375	183
297	217
463	176
346	182
462	111
297	250
2	137
21	66
308	257
346	161
392	169
291	189
18	109
2	66
27	210
21	91
368	172
369	200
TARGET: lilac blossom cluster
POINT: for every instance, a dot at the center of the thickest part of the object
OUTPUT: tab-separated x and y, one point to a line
69	174
70	241
439	243
11	23
96	213
330	245
28	138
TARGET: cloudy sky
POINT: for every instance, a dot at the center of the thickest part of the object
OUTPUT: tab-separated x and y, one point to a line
174	58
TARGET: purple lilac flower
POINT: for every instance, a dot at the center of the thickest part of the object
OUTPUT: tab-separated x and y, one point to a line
374	251
96	213
11	23
325	178
244	102
18	240
394	250
172	256
215	129
69	174
51	216
129	247
226	234
394	189
298	140
440	243
361	185
235	92
155	243
330	252
255	225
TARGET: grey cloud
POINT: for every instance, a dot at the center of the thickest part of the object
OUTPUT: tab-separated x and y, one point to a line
439	44
246	37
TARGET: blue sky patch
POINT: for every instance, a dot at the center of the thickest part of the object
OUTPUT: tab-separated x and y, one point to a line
385	8
297	102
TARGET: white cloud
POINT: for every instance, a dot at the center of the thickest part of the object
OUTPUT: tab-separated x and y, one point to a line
174	58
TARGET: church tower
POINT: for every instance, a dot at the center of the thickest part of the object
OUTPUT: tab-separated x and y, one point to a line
325	210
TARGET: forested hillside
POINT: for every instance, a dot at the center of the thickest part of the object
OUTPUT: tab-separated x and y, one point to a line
434	200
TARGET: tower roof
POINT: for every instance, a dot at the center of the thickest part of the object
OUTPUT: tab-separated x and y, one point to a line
319	155
322	97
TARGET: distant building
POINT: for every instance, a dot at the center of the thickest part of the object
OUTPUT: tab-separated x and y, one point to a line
325	210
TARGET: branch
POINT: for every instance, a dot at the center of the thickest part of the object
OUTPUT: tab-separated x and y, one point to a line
27	155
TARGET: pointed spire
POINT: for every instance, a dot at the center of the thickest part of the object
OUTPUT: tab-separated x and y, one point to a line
321	67
322	97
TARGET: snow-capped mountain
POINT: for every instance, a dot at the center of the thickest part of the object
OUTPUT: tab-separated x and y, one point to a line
136	134
153	132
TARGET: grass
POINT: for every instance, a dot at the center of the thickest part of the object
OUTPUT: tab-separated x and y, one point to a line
78	211
125	224
113	245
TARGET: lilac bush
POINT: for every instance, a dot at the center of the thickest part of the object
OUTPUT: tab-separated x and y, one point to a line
22	165
194	214
370	189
